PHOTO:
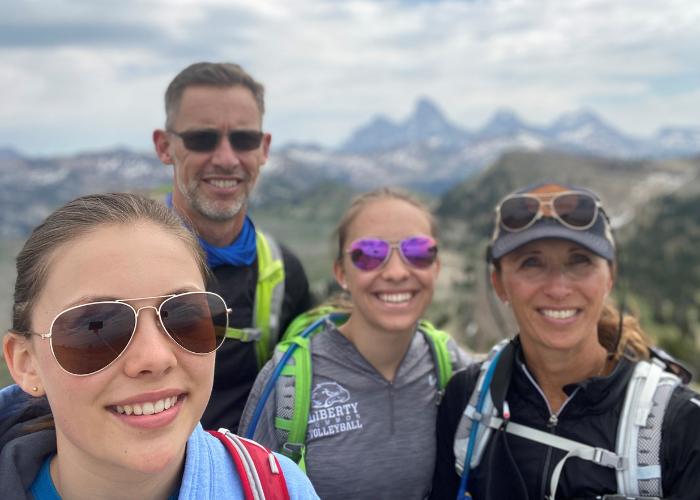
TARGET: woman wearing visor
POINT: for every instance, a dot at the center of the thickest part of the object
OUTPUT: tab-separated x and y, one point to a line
576	406
112	349
375	379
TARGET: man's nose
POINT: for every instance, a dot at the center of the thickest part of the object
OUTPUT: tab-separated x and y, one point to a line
224	154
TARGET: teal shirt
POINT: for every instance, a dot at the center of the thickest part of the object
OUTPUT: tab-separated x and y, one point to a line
43	489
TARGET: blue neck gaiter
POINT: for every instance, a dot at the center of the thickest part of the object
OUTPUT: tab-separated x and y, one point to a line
241	252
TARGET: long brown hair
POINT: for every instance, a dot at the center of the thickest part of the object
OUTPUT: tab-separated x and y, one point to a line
71	222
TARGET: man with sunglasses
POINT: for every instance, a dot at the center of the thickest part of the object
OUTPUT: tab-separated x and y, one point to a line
213	138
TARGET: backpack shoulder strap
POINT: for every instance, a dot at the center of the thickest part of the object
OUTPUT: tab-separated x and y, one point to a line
293	387
639	430
269	295
437	341
470	414
293	399
258	468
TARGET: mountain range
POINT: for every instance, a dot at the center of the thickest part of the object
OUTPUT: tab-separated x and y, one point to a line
426	152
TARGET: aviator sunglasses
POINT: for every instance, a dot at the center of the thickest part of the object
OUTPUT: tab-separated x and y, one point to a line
574	209
371	253
86	339
204	141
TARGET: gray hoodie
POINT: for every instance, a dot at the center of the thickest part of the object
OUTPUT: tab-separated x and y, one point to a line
367	438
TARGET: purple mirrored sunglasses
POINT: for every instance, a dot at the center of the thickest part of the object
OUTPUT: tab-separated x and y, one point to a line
371	253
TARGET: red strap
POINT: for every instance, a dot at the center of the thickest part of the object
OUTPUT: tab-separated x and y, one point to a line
239	463
274	485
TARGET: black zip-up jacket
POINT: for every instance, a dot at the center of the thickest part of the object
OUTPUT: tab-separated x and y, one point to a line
515	468
236	362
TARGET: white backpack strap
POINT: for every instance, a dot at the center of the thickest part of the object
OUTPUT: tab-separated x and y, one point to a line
251	473
470	414
599	456
639	430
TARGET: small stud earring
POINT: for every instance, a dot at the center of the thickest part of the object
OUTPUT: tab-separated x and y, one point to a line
35	389
506	303
345	286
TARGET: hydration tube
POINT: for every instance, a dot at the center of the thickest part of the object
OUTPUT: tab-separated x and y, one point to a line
475	428
278	369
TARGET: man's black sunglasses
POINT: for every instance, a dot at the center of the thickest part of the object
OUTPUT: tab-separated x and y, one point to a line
204	141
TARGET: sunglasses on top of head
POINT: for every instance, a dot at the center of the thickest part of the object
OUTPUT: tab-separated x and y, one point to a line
205	141
86	339
368	254
574	209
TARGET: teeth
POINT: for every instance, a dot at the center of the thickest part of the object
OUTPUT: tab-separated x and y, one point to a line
395	297
148	408
223	183
567	313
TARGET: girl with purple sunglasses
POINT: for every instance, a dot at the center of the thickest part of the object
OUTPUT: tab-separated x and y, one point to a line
375	379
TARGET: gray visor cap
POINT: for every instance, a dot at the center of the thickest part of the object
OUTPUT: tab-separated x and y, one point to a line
597	238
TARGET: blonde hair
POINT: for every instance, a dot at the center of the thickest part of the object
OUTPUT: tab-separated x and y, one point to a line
343	302
364	200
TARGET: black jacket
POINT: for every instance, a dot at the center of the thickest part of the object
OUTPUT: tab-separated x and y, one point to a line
515	468
236	362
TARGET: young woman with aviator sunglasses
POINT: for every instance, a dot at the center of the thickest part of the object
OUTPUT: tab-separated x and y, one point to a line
112	349
373	404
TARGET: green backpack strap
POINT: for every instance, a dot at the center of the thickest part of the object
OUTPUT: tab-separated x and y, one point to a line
293	388
304	320
438	340
269	296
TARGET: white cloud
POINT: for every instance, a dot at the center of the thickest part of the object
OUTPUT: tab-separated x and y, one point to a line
331	65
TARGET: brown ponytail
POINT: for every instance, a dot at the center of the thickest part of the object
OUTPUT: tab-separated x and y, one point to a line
633	339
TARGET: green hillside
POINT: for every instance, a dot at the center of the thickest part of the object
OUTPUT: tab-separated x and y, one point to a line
662	264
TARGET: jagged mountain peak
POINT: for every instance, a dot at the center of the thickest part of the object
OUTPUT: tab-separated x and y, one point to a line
426	125
504	122
577	119
7	153
427	110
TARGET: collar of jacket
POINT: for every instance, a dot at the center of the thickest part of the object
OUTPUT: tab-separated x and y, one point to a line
593	395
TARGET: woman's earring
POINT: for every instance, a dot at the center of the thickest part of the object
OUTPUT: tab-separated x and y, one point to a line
506	303
35	389
345	286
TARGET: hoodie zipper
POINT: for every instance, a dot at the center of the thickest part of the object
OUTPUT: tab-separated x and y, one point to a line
391	406
552	424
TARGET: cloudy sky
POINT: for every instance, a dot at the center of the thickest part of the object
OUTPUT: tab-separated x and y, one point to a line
80	75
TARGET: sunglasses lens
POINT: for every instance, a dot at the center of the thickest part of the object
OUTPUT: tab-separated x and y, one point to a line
88	338
420	252
576	210
369	253
518	212
245	140
200	141
196	321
